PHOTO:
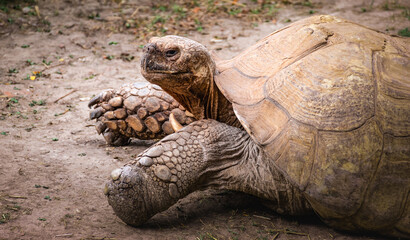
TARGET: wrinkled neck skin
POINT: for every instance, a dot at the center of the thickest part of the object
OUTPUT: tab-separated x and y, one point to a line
203	98
205	154
237	163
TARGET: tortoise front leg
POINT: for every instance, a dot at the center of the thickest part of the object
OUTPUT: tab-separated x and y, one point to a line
138	110
171	169
202	155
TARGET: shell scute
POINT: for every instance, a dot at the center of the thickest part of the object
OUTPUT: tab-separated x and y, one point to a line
298	143
258	121
241	79
393	99
338	95
344	165
385	203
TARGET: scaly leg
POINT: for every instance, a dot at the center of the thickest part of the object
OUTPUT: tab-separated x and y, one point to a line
204	154
139	110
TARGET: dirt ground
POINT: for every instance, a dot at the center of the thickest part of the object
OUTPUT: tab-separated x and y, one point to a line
53	165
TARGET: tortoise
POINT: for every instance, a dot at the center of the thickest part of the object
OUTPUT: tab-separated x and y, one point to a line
138	110
313	118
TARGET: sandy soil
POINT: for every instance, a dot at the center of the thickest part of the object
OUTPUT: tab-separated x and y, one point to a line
53	165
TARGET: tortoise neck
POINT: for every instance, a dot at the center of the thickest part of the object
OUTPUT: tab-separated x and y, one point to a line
237	163
254	173
204	100
219	107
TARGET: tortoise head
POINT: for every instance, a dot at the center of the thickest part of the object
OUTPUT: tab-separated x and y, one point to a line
177	64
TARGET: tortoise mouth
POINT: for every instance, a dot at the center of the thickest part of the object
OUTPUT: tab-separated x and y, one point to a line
159	70
165	72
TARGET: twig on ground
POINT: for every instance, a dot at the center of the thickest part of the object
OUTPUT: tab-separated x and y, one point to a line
58	99
98	238
12	196
262	217
65	111
64	235
37	9
135	12
50	67
287	231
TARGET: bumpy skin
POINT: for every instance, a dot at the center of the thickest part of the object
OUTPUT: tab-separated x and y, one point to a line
204	154
138	110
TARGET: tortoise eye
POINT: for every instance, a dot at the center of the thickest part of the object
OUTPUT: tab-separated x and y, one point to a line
171	53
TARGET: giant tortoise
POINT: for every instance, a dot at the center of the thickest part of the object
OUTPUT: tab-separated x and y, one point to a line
314	118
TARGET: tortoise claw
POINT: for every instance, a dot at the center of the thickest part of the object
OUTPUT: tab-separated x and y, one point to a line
101	97
115	139
96	113
100	127
174	123
96	99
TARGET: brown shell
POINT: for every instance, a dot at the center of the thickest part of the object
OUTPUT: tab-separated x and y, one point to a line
329	100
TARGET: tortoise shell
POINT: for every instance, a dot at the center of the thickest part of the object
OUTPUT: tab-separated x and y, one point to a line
329	101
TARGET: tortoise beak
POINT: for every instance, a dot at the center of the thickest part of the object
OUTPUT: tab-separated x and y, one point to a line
151	60
149	50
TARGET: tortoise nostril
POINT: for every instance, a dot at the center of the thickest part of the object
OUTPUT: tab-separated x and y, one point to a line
150	47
